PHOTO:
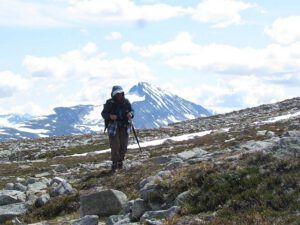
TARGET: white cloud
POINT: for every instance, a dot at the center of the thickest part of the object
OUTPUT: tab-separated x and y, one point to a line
220	13
234	92
88	71
57	13
21	13
125	10
11	84
114	36
285	30
183	52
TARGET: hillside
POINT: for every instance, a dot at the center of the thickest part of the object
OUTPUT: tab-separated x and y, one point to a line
236	168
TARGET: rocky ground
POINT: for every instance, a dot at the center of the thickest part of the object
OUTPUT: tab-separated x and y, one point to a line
236	168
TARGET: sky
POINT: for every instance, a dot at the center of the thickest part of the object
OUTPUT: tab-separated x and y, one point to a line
222	54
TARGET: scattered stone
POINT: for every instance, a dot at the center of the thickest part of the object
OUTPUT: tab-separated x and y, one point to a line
37	187
195	153
87	220
61	189
128	207
118	220
183	198
261	133
9	186
24	167
8	197
102	203
20	187
138	209
31	180
153	222
161	214
8	212
40	175
175	164
42	200
161	160
270	134
61	168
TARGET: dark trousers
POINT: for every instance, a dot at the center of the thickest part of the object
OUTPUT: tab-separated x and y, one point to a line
118	144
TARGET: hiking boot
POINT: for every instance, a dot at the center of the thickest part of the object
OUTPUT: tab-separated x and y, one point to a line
114	166
120	165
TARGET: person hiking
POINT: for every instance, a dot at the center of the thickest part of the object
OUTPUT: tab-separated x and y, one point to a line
117	112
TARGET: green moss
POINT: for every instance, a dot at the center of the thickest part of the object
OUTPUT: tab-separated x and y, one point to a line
56	206
234	193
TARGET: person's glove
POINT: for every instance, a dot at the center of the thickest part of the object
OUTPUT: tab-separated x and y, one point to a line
129	115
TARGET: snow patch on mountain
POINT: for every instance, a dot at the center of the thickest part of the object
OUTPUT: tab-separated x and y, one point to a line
153	107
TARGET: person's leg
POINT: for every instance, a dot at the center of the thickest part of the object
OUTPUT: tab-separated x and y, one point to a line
115	149
123	145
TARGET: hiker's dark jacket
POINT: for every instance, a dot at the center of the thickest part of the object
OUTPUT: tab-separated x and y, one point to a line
120	109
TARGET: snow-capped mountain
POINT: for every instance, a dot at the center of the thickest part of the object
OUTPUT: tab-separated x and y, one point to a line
153	107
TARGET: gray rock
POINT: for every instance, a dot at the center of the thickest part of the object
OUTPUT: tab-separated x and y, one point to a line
37	187
161	160
153	222
61	189
11	196
61	168
9	186
8	212
161	214
152	180
42	200
102	203
253	146
41	175
292	133
138	209
21	180
118	220
270	134
128	207
31	180
87	220
20	187
195	153
175	164
289	146
183	198
261	133
152	195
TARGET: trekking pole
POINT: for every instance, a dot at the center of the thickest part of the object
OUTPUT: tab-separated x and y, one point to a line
135	135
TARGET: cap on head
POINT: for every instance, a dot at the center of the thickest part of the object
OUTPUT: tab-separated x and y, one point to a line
116	90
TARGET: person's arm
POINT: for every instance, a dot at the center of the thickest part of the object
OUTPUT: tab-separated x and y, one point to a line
106	110
130	113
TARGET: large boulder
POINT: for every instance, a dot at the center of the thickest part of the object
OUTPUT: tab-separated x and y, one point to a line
8	212
102	202
10	197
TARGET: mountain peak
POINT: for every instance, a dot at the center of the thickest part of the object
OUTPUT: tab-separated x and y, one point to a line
154	107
